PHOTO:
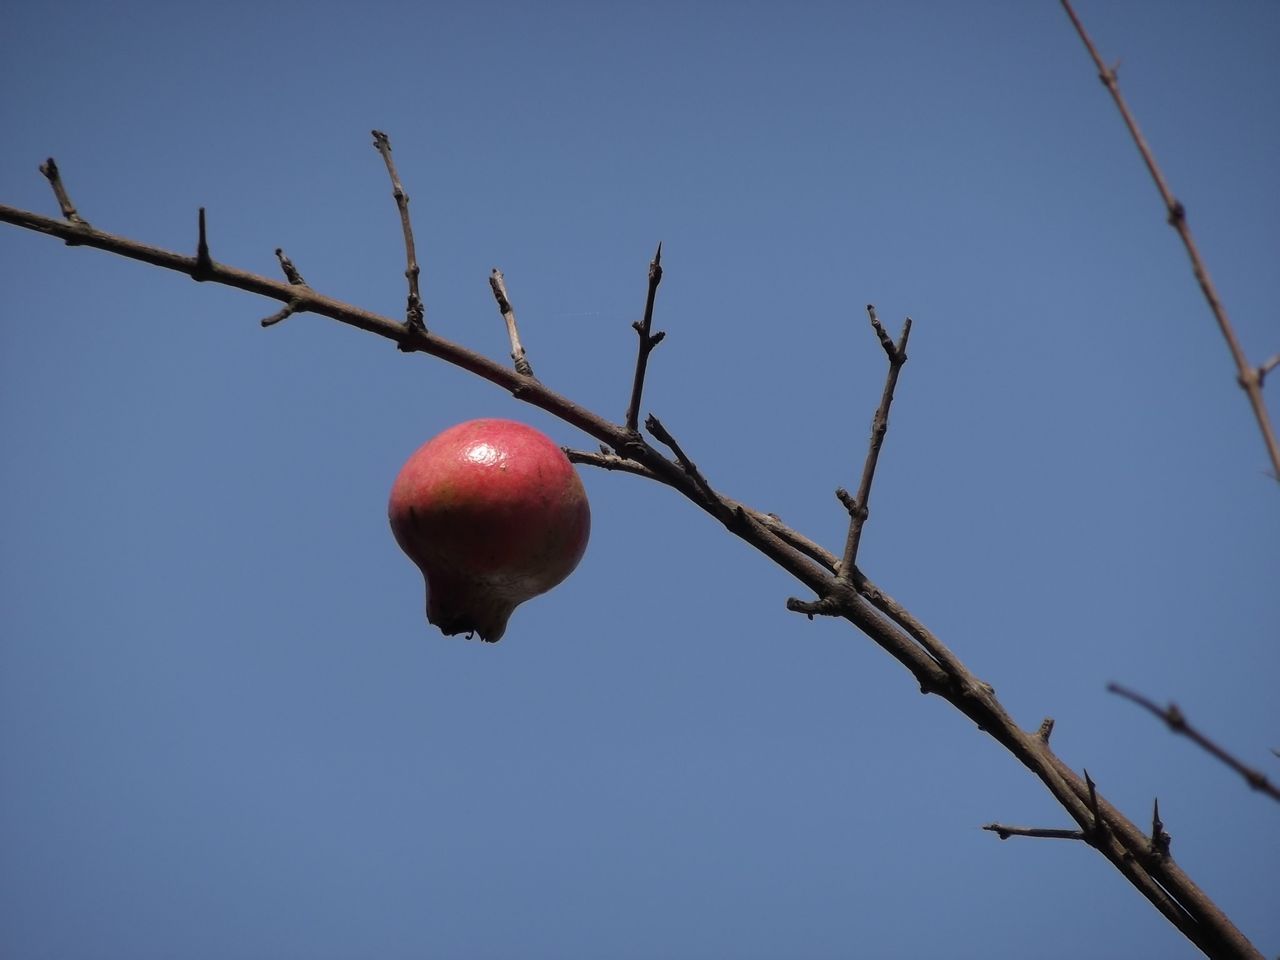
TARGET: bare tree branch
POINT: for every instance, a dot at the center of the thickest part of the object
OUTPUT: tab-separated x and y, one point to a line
1177	722
849	595
1249	378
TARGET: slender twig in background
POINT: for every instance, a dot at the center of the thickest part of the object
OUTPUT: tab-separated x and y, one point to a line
1177	722
1250	378
415	312
499	286
934	668
647	341
858	504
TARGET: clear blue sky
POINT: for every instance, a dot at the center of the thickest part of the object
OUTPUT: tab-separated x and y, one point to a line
226	730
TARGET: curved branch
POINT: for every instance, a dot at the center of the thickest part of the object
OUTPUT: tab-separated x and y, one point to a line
1151	871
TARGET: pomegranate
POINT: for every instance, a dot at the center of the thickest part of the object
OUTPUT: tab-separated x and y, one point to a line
493	513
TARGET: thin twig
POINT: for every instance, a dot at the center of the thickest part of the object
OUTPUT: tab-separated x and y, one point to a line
647	341
415	312
1177	722
1247	376
499	287
51	173
858	504
609	461
204	262
1005	831
284	313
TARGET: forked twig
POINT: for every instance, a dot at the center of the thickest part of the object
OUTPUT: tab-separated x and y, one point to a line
1249	377
415	312
857	505
1177	722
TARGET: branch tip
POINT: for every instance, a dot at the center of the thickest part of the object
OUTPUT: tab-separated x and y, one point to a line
290	271
1046	730
51	173
204	262
284	313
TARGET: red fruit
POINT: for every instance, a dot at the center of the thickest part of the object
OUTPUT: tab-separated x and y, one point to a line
493	513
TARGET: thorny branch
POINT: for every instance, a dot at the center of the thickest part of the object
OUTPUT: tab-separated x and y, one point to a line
849	594
1249	377
1177	722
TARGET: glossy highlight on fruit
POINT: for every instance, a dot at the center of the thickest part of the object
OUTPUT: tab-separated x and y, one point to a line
493	513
